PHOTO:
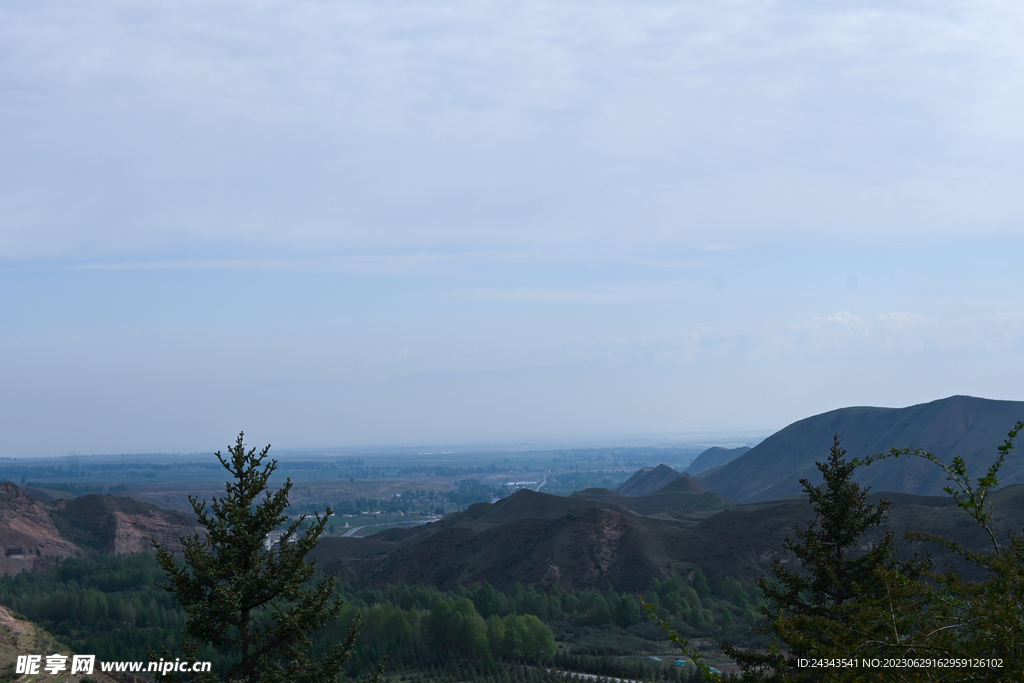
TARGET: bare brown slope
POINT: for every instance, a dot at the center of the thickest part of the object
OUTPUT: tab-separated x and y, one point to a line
114	524
962	426
28	538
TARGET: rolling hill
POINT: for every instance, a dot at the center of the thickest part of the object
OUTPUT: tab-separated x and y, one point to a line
529	537
588	542
714	457
114	524
647	481
682	495
962	426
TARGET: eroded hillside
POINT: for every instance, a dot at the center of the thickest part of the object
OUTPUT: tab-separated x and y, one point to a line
35	534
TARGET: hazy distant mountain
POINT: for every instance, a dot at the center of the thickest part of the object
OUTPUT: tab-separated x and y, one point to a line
648	480
958	426
713	457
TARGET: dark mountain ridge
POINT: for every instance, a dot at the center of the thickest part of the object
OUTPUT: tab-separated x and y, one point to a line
962	426
585	542
683	495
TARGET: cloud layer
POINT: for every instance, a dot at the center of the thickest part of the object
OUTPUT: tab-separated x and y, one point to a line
227	129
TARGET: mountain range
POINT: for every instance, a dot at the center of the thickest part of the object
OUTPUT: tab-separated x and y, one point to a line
661	522
587	542
959	426
658	523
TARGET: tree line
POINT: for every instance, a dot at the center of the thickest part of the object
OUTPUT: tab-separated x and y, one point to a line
111	606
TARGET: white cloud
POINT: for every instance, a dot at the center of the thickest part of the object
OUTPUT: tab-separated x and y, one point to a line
401	355
904	332
567	295
648	195
841	335
196	128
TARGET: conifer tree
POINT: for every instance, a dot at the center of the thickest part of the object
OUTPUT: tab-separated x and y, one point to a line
827	607
260	604
839	603
830	605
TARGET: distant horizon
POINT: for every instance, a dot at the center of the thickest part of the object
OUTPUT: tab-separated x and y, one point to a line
682	440
689	439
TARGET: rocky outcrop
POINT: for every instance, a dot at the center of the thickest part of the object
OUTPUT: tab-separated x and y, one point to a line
113	524
34	535
28	537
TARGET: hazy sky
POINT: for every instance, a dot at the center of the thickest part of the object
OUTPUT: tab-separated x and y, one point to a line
391	222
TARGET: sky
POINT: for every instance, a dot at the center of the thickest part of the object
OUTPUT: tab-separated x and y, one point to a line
370	223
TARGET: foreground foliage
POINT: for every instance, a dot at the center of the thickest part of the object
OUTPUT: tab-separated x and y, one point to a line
828	608
255	602
947	616
492	672
853	608
108	606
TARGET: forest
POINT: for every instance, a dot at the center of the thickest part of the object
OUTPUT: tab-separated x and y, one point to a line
111	606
